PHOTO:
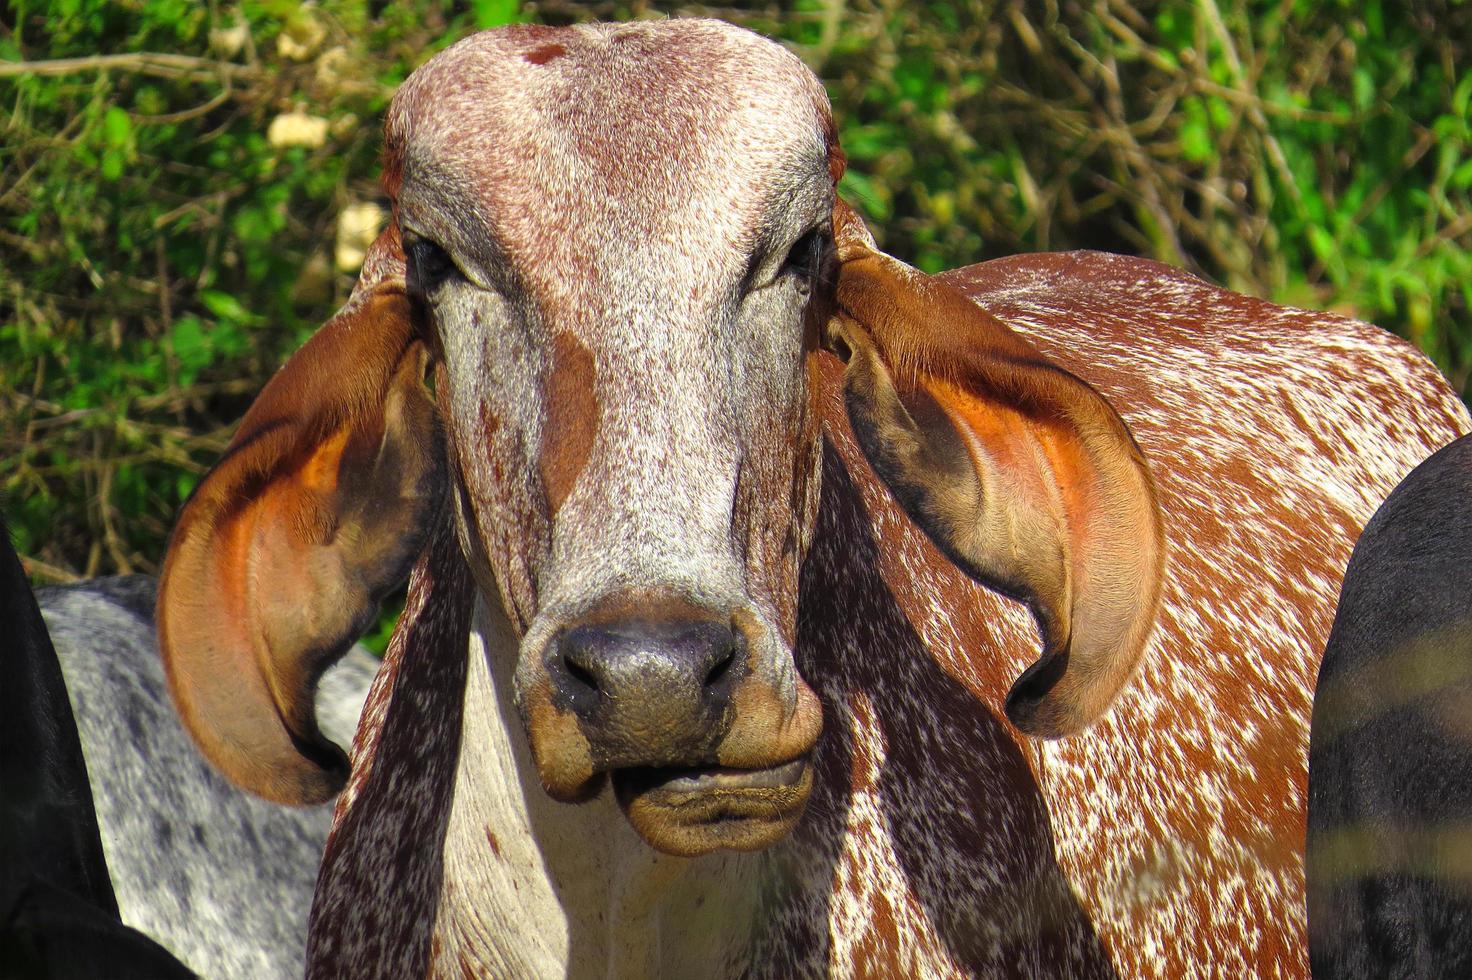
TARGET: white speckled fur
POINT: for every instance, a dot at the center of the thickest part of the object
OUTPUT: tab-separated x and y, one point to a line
1319	417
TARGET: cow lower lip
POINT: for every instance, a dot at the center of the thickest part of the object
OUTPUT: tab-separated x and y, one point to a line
690	812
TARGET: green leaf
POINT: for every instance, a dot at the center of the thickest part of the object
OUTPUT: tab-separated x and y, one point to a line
1327	251
1364	88
1461	178
872	201
111	165
869	142
1196	144
191	346
225	306
914	75
495	13
117	127
1462	95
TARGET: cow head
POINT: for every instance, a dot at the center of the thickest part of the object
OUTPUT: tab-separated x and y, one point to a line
620	251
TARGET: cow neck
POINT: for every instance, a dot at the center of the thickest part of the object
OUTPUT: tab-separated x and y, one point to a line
533	887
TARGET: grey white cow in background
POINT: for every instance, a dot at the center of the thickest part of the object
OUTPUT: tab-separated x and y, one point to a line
220	878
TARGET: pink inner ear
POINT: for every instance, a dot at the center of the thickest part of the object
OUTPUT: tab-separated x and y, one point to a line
223	688
297	629
1087	545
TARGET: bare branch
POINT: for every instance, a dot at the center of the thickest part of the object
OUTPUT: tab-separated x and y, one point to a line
159	65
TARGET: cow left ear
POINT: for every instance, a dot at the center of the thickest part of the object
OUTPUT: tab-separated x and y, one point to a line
322	502
1019	471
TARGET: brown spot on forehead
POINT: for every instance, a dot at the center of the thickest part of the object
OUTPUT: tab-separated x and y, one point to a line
573	414
544	54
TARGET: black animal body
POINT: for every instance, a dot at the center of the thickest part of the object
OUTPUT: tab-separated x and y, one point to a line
1390	762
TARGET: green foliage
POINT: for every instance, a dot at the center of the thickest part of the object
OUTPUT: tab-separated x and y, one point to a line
169	202
1311	153
163	251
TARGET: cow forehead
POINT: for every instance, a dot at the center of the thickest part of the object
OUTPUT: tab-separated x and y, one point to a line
581	139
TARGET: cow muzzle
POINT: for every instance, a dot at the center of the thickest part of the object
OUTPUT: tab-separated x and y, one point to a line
647	693
681	712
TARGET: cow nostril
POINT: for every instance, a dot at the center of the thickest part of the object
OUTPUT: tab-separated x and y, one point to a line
677	673
580	674
721	667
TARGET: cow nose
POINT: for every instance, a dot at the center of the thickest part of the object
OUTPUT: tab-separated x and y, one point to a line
648	693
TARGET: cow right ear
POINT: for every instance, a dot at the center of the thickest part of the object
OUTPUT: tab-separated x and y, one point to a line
280	558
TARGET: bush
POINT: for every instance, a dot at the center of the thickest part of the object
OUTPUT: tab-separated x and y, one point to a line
183	186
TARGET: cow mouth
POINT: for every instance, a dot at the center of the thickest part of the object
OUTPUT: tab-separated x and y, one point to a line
693	811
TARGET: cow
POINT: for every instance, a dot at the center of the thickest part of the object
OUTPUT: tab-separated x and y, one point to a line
1390	748
58	913
768	597
221	878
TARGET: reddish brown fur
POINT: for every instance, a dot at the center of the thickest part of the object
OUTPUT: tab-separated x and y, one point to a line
572	408
544	54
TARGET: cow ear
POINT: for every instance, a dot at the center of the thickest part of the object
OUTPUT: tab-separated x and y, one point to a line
1019	471
279	559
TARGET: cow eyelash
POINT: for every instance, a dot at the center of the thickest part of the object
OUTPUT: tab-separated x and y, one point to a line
804	259
430	266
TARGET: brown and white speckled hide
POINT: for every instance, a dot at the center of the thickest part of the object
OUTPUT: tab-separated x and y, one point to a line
1164	841
1178	819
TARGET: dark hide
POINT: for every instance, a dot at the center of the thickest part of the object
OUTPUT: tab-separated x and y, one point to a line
1390	760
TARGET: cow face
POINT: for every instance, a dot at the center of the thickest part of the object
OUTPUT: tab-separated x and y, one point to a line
619	247
615	241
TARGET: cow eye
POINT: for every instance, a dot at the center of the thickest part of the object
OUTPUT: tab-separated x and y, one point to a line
429	266
805	258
